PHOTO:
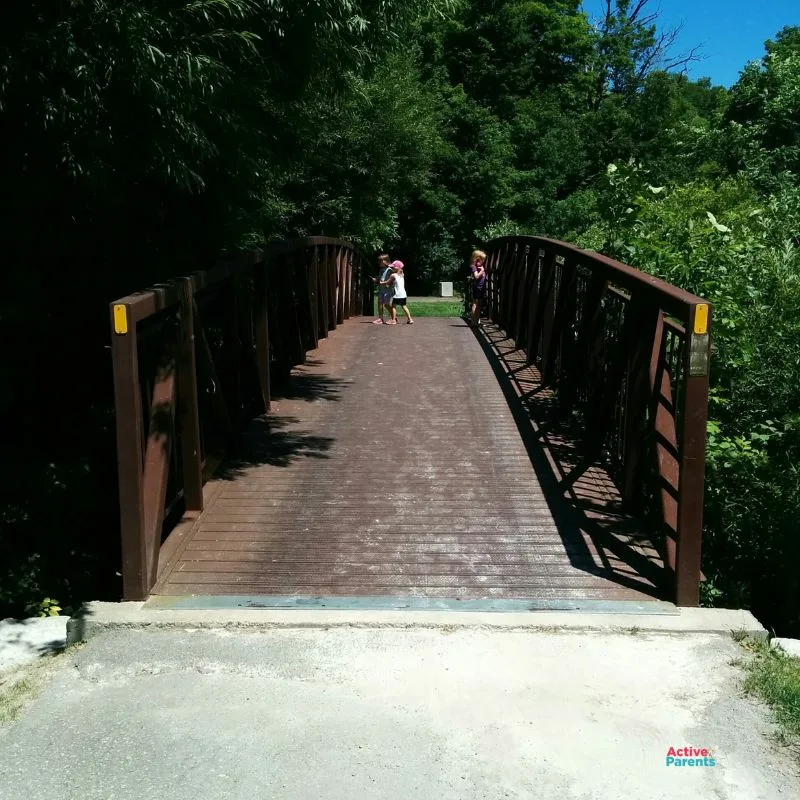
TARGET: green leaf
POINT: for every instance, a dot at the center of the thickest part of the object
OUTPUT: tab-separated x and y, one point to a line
713	220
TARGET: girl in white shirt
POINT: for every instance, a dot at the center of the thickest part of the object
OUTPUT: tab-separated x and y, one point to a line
398	281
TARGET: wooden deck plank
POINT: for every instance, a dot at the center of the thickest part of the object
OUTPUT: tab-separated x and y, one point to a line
358	559
368	583
557	596
394	466
421	544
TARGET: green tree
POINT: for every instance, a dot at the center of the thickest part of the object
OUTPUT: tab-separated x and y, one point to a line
762	135
144	140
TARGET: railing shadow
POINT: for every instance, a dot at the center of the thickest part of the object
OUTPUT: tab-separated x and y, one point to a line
310	387
271	441
277	439
584	502
274	439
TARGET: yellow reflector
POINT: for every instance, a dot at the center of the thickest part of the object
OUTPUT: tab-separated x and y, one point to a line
120	319
701	319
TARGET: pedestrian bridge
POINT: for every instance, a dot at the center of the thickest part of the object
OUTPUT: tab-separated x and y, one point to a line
276	449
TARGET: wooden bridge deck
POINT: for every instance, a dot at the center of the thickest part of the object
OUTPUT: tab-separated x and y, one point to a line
395	466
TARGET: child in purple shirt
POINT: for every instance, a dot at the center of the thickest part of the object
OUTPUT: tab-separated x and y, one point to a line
478	275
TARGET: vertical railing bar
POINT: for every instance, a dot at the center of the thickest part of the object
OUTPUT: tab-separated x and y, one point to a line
665	450
188	402
331	269
157	459
262	334
323	291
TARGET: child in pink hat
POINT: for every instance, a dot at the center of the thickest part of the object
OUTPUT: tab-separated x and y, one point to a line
398	281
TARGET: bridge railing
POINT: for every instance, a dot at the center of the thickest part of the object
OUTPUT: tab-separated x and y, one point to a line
194	361
628	357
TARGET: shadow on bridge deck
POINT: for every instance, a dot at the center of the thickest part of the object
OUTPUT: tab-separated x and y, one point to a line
411	466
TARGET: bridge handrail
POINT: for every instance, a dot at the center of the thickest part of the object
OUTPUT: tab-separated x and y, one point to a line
233	329
673	299
161	296
630	354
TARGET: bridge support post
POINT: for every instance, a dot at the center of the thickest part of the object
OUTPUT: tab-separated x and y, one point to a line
692	448
130	451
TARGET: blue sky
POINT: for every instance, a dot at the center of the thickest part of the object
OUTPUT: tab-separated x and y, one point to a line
731	32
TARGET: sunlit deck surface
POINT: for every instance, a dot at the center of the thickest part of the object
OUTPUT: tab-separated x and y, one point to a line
411	463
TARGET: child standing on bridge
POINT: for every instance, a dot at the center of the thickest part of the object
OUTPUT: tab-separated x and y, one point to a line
478	277
384	294
397	281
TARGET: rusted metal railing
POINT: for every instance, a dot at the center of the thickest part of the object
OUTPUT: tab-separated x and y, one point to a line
194	361
628	354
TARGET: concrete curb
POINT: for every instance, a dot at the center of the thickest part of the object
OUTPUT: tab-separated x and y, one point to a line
791	647
96	617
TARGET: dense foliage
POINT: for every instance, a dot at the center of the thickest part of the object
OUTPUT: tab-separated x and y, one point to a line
143	139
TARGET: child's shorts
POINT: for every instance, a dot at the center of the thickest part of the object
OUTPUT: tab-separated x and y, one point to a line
478	293
399	301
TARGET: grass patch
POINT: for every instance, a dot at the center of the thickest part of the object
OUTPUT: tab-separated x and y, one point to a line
15	691
774	677
430	307
20	686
